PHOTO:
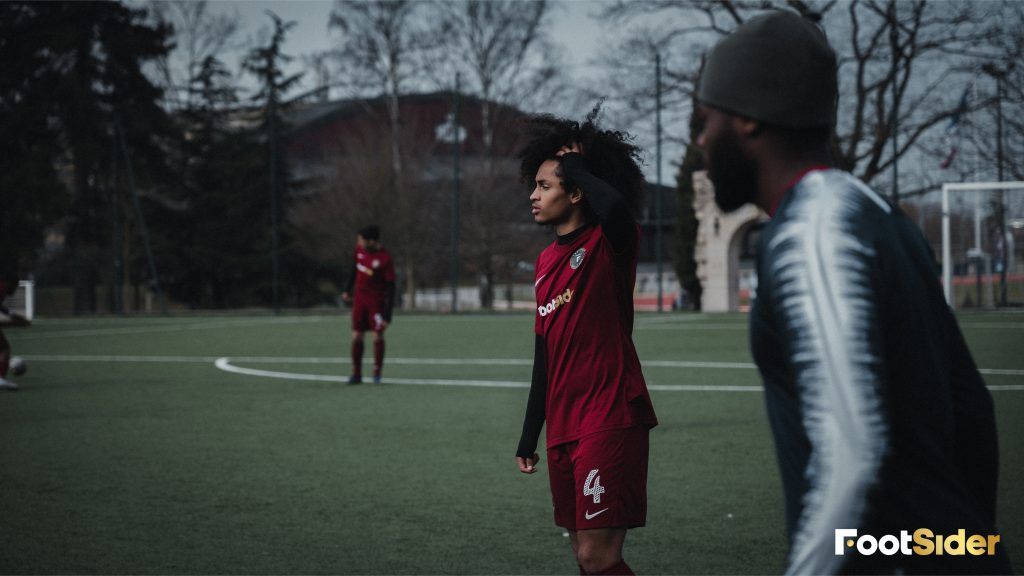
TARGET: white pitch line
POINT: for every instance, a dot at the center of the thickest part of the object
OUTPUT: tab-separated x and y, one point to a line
170	328
486	362
226	365
692	327
999	372
442	362
693	364
118	358
687	327
412	361
644	319
700	388
470	383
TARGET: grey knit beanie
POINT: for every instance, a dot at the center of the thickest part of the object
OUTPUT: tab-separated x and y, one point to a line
777	68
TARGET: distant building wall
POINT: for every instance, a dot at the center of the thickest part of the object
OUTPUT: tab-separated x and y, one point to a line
727	278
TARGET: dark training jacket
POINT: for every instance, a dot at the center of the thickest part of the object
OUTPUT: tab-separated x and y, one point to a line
881	419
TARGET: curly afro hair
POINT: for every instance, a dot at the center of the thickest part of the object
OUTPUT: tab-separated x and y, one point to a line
607	154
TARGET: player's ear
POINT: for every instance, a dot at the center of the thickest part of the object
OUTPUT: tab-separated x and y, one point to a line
747	127
576	196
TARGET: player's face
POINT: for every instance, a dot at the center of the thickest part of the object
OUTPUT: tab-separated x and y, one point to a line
551	204
368	245
730	168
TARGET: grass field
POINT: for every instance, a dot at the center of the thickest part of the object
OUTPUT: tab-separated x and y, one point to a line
128	450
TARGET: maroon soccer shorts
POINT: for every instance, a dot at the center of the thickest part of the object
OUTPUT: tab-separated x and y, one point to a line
5	357
600	480
367	316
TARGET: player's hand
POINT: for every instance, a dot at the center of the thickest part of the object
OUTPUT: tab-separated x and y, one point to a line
384	325
346	298
528	465
571	147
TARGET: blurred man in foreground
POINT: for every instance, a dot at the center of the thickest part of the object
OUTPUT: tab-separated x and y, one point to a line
882	423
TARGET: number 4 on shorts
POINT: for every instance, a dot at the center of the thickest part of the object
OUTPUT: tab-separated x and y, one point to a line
594	489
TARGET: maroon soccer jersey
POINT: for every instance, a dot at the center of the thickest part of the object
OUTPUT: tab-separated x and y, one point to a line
585	315
374	270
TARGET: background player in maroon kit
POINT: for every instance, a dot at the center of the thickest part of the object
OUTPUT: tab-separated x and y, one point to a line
371	292
587	383
8	286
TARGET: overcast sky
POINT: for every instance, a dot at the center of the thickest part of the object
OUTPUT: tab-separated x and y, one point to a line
573	30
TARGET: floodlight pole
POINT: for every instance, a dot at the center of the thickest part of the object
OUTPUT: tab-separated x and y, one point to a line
130	172
274	200
456	148
115	202
1002	193
999	74
657	191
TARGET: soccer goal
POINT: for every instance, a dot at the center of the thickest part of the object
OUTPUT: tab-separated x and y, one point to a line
983	244
23	301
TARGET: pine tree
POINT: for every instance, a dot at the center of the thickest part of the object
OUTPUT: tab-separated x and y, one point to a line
78	66
266	63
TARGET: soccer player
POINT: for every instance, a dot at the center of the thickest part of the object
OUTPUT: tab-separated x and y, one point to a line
8	286
587	381
881	420
371	292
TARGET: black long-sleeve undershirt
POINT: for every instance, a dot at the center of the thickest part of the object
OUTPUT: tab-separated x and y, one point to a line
607	203
351	280
613	215
534	420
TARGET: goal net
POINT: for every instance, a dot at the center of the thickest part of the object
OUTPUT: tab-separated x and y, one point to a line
23	301
983	244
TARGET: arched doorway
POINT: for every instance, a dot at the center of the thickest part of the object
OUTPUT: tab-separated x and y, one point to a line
742	266
726	250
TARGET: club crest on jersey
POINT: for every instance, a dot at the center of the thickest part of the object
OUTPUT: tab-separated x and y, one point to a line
577	258
556	302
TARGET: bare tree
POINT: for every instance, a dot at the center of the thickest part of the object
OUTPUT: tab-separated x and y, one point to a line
903	66
996	134
898	60
502	51
199	35
358	191
379	51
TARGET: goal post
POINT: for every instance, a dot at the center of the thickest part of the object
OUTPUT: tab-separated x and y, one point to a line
23	301
975	259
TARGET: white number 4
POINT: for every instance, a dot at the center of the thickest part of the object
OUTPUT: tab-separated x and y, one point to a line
594	489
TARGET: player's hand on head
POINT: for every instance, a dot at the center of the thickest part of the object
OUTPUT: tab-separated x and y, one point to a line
528	465
570	147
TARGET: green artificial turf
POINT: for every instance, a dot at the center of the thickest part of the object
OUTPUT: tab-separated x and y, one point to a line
128	451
